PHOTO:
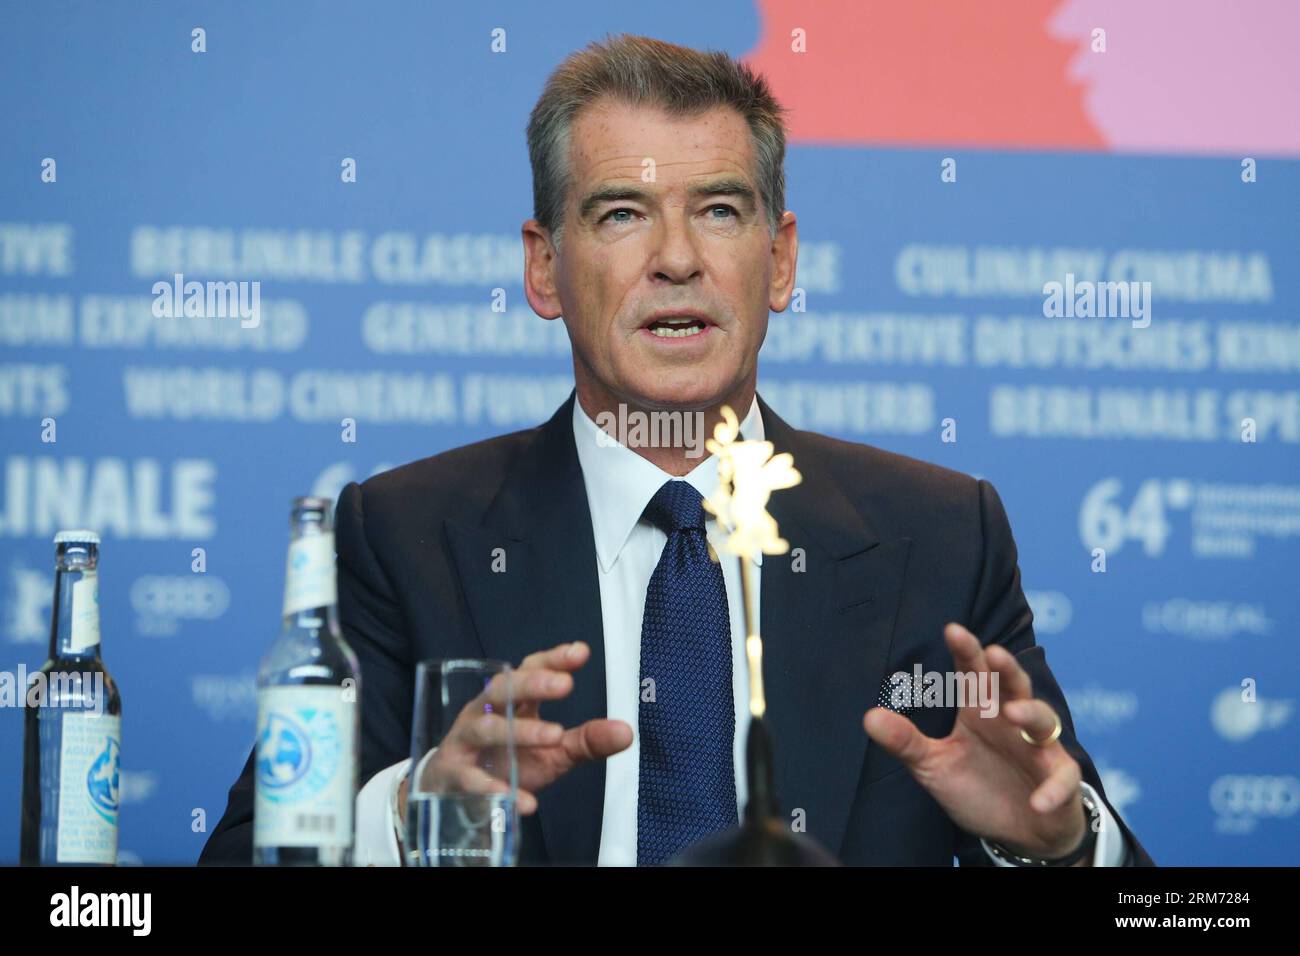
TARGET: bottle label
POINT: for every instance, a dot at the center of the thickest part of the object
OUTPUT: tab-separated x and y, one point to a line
305	767
85	612
309	577
89	761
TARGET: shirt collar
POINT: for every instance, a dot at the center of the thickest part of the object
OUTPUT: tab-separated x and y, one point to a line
620	483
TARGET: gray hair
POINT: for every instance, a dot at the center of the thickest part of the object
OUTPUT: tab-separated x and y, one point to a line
644	72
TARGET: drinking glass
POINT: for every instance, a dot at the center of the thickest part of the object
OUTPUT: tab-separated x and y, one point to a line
461	805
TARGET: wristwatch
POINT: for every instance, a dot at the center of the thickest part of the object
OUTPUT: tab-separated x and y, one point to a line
1084	849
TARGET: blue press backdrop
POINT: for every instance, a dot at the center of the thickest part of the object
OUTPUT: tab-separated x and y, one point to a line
171	438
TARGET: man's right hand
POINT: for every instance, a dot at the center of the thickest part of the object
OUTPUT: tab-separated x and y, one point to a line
544	750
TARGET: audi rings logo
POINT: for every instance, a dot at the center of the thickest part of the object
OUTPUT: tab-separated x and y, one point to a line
1236	796
161	602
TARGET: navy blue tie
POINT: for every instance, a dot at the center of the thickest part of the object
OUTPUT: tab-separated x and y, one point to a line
687	715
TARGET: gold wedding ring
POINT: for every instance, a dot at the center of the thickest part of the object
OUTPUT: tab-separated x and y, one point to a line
1050	740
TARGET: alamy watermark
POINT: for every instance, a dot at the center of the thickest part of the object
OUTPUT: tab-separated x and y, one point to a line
74	690
638	429
130	910
944	689
210	300
1100	300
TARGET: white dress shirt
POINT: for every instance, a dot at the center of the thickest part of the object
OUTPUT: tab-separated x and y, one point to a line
620	483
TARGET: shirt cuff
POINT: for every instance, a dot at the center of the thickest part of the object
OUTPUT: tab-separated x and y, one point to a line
1109	849
376	833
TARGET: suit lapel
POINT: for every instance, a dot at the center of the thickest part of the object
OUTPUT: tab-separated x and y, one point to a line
827	631
547	594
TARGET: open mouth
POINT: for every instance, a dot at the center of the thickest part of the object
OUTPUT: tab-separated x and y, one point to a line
676	327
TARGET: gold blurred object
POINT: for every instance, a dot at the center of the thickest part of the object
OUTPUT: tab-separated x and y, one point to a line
748	473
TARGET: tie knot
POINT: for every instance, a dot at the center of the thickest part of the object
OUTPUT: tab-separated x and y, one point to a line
675	507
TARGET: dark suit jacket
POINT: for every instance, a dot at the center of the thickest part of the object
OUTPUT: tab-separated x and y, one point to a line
895	548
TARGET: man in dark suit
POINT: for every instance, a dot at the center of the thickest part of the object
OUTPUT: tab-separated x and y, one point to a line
583	562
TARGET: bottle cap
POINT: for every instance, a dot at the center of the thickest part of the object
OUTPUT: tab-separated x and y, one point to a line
77	537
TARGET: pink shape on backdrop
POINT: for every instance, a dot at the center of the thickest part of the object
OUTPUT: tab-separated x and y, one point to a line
1178	76
1190	76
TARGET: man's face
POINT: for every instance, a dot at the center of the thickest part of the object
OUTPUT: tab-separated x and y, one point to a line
667	268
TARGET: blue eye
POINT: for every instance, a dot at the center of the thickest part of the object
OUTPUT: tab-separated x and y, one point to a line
614	212
730	209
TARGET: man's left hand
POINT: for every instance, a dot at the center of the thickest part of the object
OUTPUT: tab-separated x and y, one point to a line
988	779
